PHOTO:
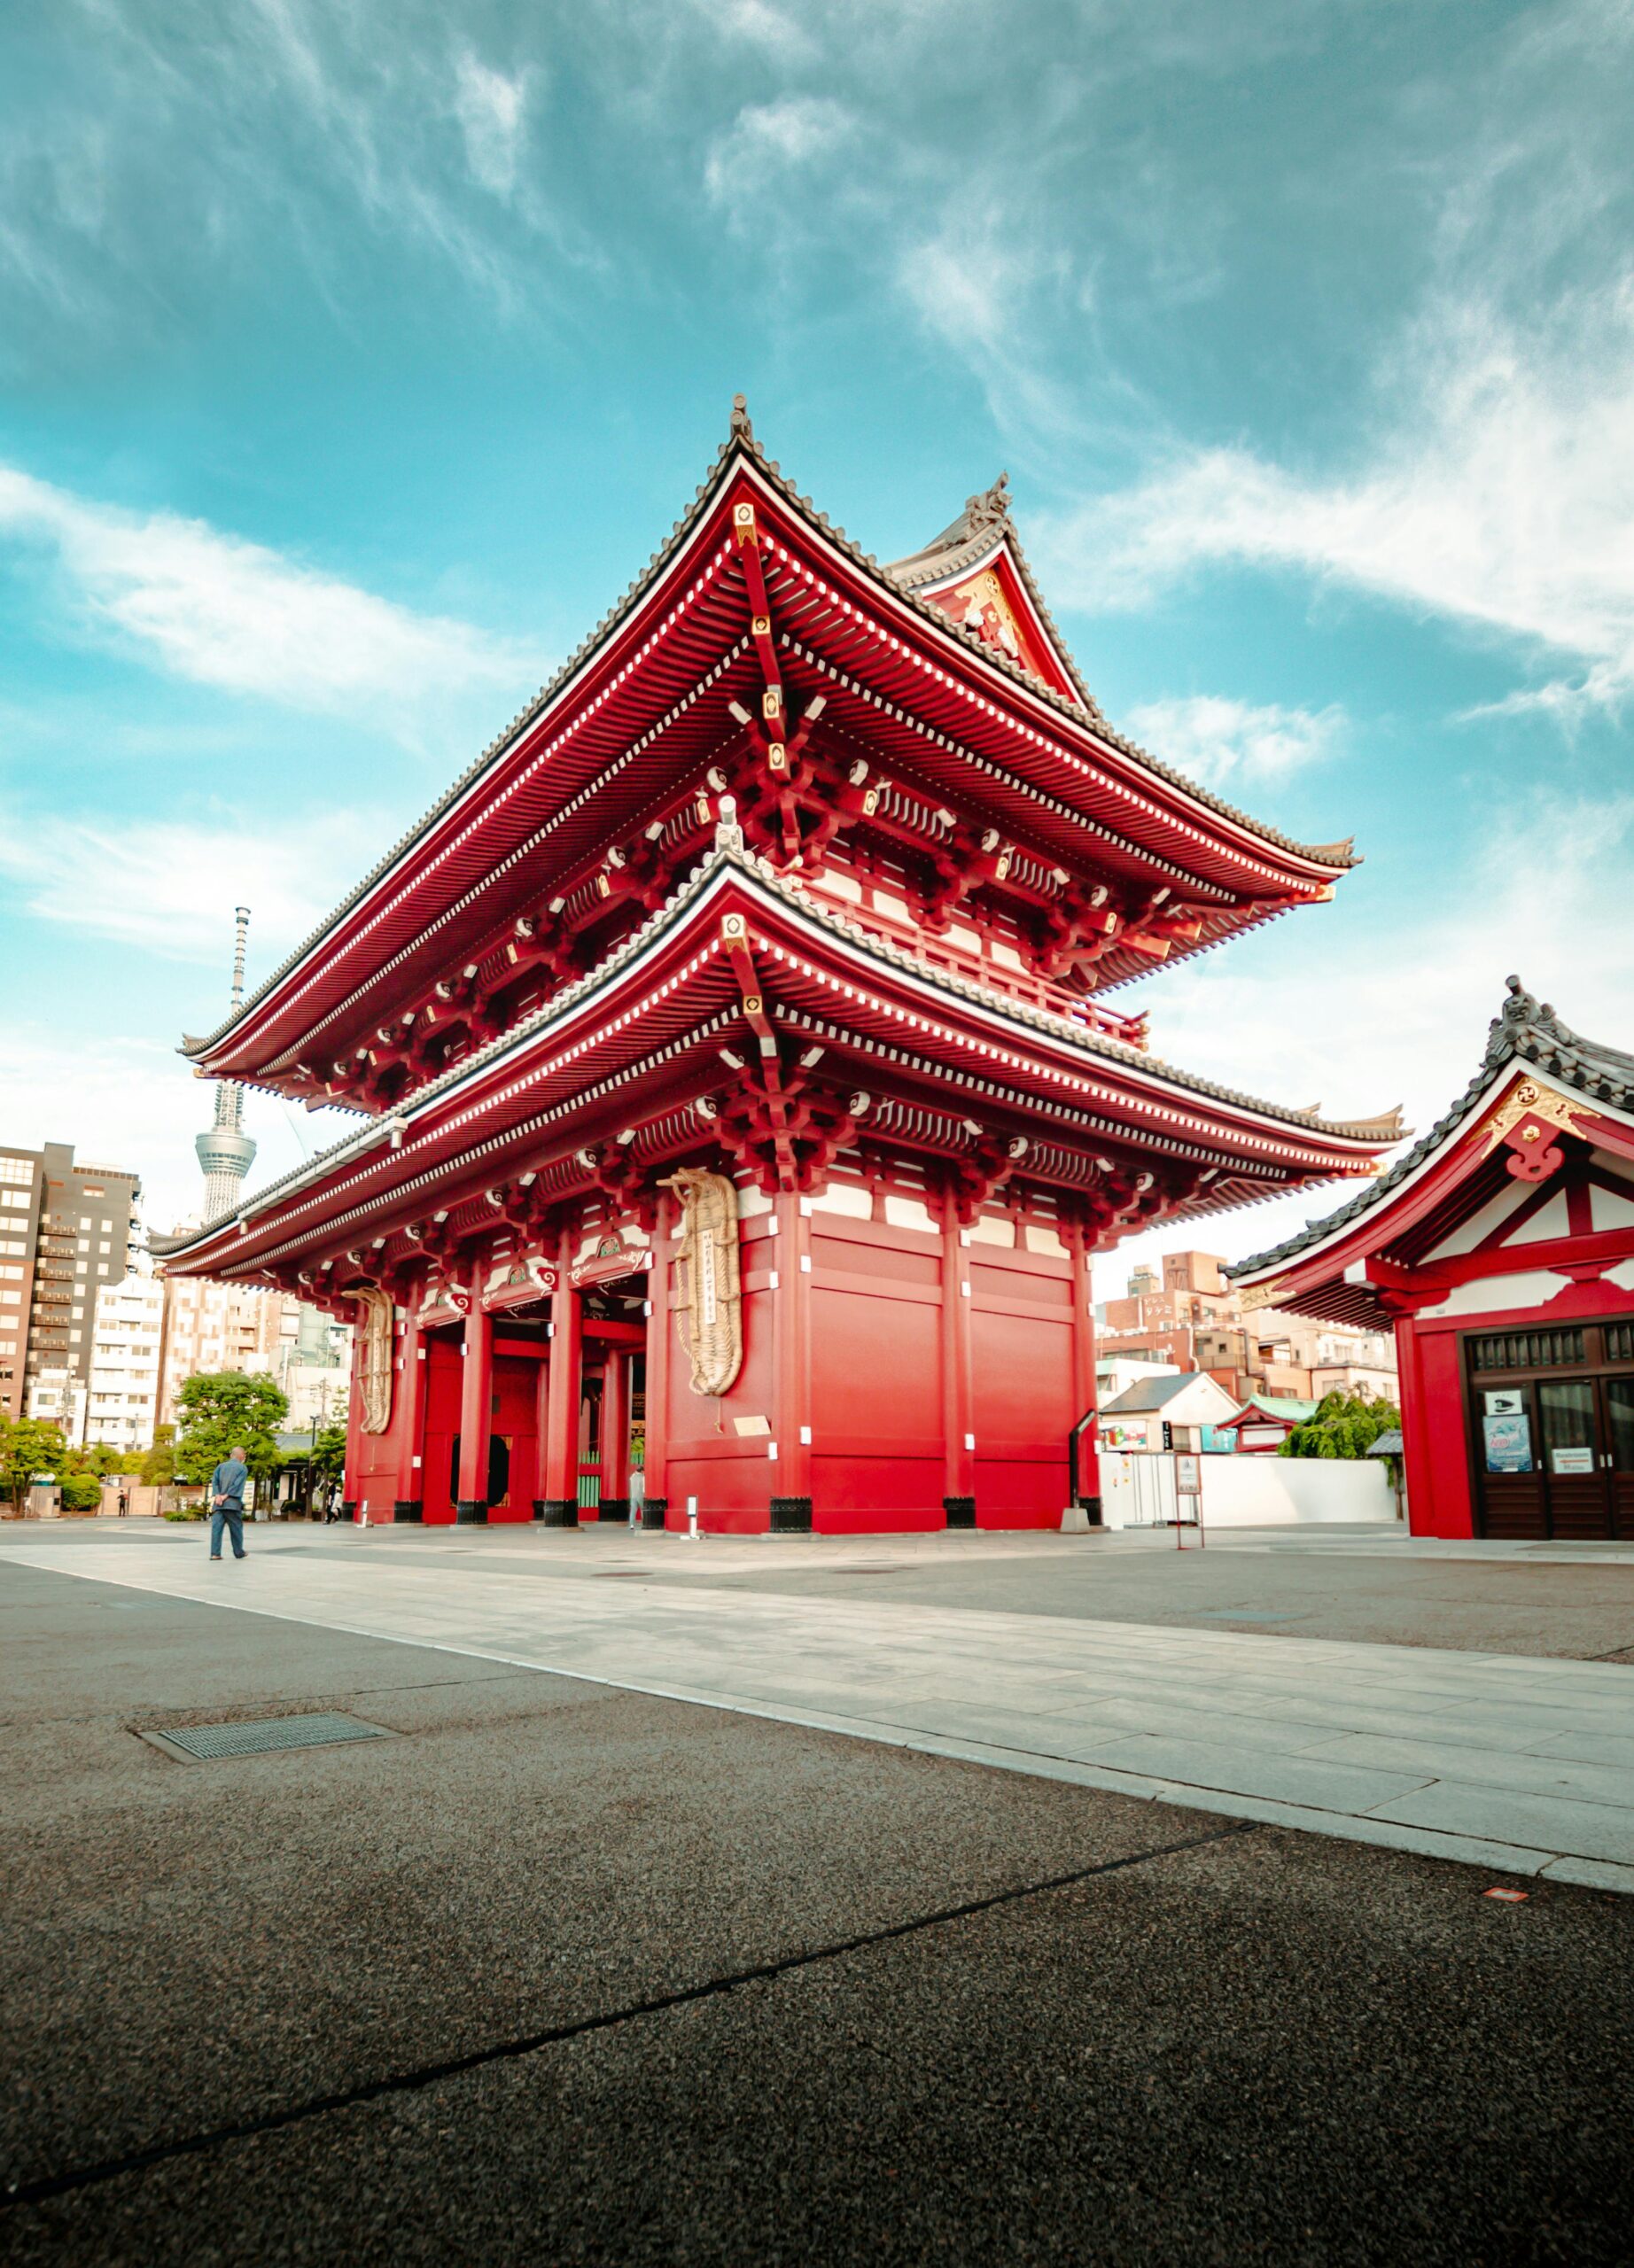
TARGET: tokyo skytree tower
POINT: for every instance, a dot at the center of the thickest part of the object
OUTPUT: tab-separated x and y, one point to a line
226	1152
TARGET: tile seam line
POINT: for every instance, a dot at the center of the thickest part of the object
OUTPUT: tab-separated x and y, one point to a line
428	2075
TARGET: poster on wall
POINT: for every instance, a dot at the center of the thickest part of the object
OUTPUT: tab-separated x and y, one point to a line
1503	1401
1508	1437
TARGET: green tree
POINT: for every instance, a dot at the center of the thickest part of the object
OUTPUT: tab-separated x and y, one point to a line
28	1446
222	1410
157	1465
81	1491
328	1455
1342	1426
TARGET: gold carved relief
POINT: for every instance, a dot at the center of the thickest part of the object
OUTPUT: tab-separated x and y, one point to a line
711	1319
374	1328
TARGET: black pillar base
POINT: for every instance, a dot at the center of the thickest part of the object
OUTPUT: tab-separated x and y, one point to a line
615	1509
410	1508
655	1510
557	1511
348	1508
1093	1511
471	1511
960	1511
791	1516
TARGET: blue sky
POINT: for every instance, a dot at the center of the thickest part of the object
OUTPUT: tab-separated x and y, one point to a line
353	358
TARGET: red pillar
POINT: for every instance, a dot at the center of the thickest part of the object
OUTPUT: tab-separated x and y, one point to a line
541	1427
958	1383
1084	1370
476	1417
408	1422
791	1371
561	1451
660	1337
352	1483
616	1436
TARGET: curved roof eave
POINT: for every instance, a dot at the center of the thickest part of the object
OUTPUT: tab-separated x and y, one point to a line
1180	1084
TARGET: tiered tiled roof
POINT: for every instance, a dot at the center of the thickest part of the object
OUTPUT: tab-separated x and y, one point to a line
900	580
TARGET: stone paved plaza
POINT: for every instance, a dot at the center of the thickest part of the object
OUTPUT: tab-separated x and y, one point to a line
991	1649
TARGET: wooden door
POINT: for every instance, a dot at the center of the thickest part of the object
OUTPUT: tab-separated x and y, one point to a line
1617	1430
1573	1457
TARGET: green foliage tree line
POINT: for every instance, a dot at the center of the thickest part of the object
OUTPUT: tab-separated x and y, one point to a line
1341	1425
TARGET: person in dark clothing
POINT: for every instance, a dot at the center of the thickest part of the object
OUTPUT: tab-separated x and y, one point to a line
227	1484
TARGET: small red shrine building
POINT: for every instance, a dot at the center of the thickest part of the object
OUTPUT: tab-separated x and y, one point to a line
740	1100
1501	1248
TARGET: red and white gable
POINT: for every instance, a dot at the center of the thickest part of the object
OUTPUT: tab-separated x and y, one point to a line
991	600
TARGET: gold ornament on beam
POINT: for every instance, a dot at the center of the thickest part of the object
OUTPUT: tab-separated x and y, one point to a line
711	1319
1258	1295
1528	1099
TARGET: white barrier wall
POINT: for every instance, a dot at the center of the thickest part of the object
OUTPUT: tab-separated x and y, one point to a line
1247	1491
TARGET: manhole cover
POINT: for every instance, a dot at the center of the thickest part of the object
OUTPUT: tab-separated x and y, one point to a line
255	1736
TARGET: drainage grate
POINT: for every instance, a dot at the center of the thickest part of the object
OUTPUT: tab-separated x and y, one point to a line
256	1735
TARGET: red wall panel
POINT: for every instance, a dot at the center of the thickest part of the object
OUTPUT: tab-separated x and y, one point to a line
443	1373
1022	1341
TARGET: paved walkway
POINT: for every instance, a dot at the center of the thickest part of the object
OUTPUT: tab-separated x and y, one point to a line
1519	1764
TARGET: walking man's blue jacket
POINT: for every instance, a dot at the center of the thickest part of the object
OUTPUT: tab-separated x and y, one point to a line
228	1480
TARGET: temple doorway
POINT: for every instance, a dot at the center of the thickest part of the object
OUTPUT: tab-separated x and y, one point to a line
613	1406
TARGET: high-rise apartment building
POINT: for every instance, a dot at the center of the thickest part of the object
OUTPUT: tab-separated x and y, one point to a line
122	1406
239	1327
215	1327
64	1233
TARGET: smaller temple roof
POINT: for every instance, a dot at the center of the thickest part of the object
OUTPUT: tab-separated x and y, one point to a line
964	543
1523	1031
1287	1409
1149	1394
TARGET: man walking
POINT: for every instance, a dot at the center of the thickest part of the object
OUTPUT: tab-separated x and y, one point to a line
227	1498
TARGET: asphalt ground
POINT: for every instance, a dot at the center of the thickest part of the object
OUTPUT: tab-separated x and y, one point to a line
563	1973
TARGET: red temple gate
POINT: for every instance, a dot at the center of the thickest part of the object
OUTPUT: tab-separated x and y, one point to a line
732	1052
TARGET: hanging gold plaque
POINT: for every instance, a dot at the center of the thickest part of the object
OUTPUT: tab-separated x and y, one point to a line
374	1326
710	1317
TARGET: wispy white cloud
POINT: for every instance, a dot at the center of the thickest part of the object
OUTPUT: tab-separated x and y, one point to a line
1489	482
491	110
975	283
1220	742
767	143
218	611
777	32
1498	492
169	886
1285	1021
